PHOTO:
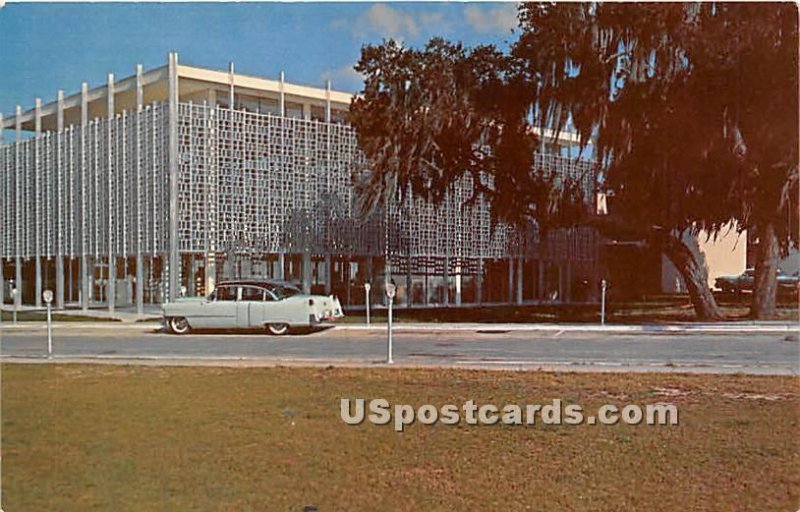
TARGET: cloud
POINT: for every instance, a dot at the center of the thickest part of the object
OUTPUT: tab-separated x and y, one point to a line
500	19
344	78
385	21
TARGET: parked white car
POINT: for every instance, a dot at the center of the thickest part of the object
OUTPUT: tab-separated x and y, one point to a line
251	304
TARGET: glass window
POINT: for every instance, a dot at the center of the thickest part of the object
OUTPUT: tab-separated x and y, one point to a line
224	293
317	113
251	293
294	110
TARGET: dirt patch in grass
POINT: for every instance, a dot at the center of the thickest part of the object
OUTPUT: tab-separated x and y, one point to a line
155	438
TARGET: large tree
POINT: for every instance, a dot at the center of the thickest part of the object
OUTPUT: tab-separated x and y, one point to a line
694	111
428	117
686	141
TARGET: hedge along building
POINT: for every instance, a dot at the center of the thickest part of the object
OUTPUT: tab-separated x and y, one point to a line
170	180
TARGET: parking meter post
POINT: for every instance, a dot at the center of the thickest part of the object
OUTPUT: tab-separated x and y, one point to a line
14	301
49	332
603	286
389	359
47	295
367	287
390	293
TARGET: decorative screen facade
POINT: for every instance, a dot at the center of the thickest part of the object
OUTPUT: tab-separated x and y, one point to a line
256	194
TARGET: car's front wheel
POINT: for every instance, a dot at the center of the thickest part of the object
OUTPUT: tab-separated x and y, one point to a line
179	325
278	329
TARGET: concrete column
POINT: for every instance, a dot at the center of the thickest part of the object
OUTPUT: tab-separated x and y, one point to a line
174	261
18	284
18	204
111	288
307	111
138	170
128	288
60	196
84	274
306	272
519	280
93	266
231	92
328	268
69	280
211	197
37	206
281	95
327	101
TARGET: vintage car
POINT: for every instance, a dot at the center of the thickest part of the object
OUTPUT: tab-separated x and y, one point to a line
788	284
737	283
251	304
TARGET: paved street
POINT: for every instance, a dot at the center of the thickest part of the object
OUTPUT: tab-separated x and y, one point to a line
485	347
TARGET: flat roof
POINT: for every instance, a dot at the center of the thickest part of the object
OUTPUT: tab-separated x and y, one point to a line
154	85
191	80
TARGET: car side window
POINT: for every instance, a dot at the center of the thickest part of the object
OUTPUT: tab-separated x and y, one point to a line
253	294
225	293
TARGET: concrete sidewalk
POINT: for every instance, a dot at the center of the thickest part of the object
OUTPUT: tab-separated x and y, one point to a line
693	328
152	315
124	315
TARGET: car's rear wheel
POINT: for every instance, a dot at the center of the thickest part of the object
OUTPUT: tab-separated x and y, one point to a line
179	325
278	329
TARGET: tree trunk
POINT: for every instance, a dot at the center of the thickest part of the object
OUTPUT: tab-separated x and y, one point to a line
695	276
765	287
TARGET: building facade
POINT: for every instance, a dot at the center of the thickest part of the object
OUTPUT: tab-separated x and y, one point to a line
167	181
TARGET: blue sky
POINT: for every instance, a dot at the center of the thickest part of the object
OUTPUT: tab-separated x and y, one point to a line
44	47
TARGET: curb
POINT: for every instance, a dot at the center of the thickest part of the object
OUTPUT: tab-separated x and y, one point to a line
500	328
463	327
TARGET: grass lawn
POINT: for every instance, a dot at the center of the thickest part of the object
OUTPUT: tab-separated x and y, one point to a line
166	438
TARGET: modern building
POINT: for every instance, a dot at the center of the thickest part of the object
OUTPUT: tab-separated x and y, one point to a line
169	180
